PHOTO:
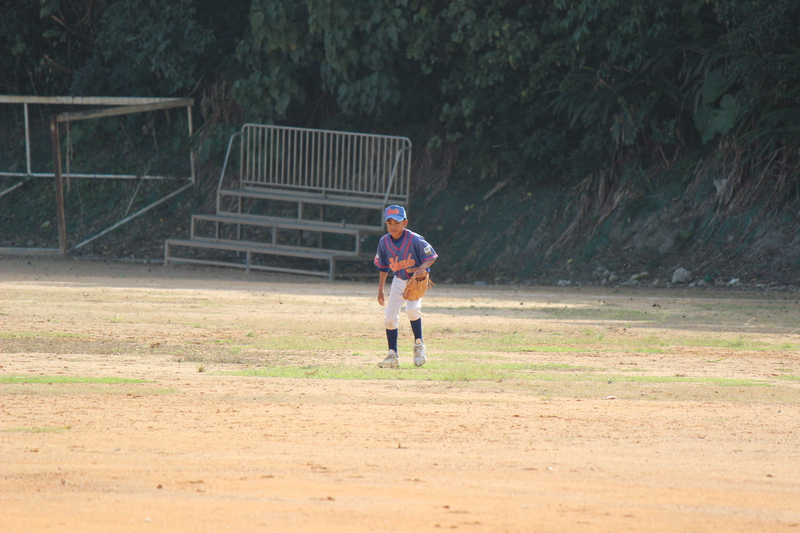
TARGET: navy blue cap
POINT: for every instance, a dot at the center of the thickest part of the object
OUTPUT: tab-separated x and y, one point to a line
395	212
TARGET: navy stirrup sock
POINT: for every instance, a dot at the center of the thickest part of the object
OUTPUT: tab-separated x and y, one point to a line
391	336
416	327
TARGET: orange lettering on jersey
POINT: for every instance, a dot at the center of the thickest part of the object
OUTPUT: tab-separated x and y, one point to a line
396	265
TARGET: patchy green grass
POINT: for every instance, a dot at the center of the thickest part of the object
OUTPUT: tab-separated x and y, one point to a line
431	372
16	379
722	382
579	312
452	371
626	346
56	385
61	429
39	334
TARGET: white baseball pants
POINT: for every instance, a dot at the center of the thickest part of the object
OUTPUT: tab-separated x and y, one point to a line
395	303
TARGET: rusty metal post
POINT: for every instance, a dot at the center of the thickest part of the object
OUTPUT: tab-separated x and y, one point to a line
62	222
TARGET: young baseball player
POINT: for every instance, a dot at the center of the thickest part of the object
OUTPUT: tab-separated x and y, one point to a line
406	254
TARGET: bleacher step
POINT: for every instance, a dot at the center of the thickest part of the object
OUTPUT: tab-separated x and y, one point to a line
251	248
290	223
304	197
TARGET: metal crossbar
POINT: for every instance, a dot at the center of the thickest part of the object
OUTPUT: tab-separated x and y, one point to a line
371	166
113	106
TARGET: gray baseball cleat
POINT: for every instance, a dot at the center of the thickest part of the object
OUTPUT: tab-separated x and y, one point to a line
391	361
419	353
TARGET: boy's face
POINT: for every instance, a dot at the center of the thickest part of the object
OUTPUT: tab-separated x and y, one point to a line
396	227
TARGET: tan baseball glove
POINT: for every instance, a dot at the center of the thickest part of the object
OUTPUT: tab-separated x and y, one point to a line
417	287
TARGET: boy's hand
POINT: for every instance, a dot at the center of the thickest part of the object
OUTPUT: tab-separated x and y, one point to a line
417	286
382	288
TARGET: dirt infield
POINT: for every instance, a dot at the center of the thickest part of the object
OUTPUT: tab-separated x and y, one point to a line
148	398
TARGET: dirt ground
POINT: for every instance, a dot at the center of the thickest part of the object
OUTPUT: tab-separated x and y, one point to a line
190	447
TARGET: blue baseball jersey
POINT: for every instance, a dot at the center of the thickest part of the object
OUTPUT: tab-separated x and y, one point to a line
404	256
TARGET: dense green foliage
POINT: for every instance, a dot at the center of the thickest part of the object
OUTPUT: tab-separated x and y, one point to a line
604	92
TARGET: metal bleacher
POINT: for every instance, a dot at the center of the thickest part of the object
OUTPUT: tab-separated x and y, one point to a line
302	201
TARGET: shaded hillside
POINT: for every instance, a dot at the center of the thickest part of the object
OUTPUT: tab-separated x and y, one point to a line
507	235
523	236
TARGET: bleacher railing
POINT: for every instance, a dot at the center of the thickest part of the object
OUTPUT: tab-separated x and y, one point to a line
373	166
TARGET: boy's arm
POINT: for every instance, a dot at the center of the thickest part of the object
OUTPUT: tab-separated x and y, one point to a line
424	266
381	288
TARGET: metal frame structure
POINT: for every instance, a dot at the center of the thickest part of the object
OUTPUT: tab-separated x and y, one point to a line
109	106
325	161
301	166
